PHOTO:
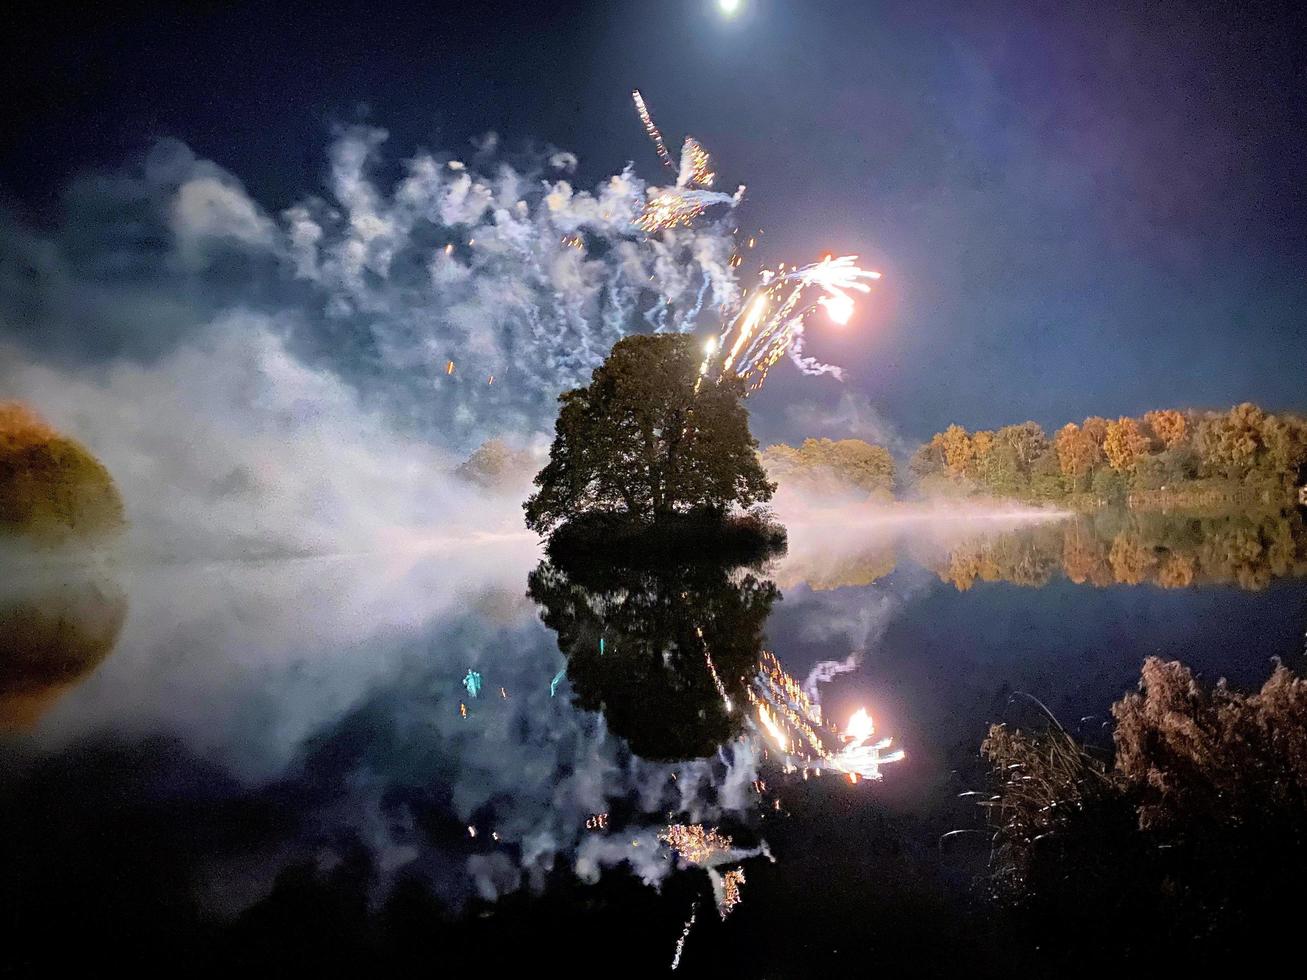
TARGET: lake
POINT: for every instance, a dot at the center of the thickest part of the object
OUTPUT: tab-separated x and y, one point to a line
461	756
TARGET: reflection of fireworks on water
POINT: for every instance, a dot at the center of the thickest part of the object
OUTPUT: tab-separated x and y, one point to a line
685	934
726	887
707	848
695	844
712	671
792	722
770	323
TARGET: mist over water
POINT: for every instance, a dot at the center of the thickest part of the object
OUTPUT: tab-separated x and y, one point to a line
309	712
302	382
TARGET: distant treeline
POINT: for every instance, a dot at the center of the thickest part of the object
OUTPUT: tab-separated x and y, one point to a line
1167	457
831	466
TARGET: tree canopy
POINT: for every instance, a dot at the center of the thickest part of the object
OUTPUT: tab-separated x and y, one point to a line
1244	451
497	466
647	438
51	487
831	466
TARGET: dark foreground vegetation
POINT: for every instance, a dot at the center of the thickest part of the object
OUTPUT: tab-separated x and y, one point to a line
52	490
1188	841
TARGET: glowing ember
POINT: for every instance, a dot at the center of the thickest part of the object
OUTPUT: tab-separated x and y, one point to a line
695	844
730	891
860	726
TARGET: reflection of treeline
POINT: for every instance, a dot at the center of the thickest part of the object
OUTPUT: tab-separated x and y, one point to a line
1163	457
1131	548
831	467
1190	837
51	487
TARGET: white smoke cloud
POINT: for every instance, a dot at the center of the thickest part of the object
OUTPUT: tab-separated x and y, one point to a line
208	208
302	381
277	384
852	417
523	282
255	666
229	445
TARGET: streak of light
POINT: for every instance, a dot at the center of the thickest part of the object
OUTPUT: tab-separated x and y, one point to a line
685	934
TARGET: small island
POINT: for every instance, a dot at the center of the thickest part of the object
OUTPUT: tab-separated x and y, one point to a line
53	491
651	461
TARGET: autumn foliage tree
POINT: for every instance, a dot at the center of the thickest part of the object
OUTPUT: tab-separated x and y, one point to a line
648	439
831	466
1077	454
1169	426
1245	453
51	487
1124	443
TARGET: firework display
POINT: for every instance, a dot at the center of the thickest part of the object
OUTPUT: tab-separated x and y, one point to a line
695	844
769	321
792	723
685	934
727	888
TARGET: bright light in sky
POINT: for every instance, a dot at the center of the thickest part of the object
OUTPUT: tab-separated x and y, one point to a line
710	345
729	7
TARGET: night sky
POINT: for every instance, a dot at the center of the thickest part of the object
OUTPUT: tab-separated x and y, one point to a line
1078	209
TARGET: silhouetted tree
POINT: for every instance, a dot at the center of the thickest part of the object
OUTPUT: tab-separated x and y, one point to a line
649	437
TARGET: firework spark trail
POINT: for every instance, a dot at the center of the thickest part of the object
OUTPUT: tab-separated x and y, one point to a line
712	671
726	889
651	129
685	934
769	324
792	722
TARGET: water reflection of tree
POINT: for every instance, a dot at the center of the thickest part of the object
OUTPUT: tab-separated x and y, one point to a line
55	631
642	645
1128	548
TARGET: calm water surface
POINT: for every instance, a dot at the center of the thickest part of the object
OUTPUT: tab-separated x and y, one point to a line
280	765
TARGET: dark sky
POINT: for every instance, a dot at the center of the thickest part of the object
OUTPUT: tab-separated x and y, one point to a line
1079	209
